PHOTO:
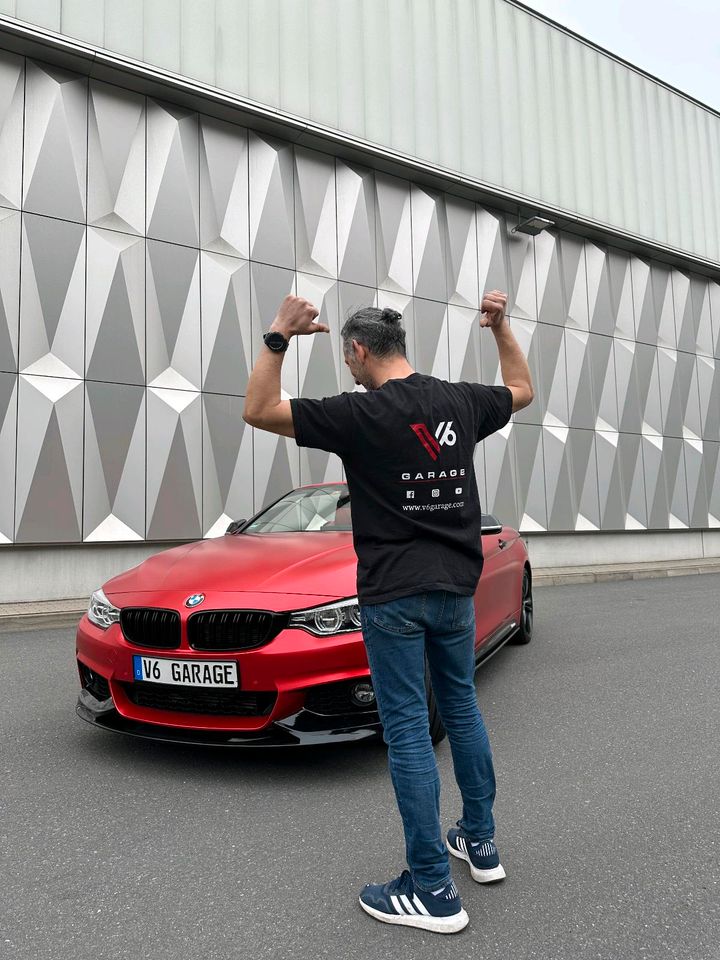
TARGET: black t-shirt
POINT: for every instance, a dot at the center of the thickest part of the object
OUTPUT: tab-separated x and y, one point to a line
407	449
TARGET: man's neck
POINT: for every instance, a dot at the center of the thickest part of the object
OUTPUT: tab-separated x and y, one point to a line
392	371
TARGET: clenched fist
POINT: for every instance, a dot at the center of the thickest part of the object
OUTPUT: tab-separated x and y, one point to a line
296	316
492	309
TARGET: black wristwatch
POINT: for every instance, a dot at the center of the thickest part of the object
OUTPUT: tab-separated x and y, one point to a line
276	341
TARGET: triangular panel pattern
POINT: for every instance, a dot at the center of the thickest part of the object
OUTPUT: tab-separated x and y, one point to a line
174	464
49	460
356	223
315	213
561	280
429	243
319	355
652	293
268	288
227	464
226	325
224	188
114	488
55	156
462	252
272	234
12	95
52	306
173	316
8	433
276	462
172	173
10	224
393	234
610	291
116	159
115	322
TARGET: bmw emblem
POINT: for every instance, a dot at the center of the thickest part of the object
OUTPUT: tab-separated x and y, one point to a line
195	600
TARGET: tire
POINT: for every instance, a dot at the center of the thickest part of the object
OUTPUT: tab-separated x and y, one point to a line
437	727
525	630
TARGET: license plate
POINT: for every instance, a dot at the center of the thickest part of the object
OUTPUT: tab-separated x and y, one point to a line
186	673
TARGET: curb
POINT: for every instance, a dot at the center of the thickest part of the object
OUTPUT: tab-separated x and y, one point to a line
559	576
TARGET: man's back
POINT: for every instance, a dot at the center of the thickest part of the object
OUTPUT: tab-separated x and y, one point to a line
407	449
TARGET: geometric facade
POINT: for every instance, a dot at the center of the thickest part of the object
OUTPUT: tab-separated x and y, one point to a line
144	248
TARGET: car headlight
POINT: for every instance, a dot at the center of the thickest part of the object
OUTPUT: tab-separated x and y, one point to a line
101	612
340	617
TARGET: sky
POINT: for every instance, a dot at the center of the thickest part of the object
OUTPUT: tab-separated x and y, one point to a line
677	41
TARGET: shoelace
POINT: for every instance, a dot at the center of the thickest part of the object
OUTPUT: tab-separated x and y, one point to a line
401	884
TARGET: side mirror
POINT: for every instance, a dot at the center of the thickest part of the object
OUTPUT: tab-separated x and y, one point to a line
234	526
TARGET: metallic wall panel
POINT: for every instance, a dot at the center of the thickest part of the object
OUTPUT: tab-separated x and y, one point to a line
623	432
224	202
315	213
48	506
711	466
506	261
272	235
356	224
429	243
393	234
12	96
227	464
431	337
8	433
116	159
173	316
268	288
115	321
174	464
52	297
9	288
276	463
226	327
172	173
114	462
561	280
708	374
55	157
430	80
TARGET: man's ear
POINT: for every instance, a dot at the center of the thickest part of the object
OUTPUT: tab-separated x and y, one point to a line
360	351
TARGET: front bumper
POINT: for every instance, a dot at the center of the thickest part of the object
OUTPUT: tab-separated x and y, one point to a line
285	675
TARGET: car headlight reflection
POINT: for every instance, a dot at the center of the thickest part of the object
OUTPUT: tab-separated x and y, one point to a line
101	612
332	618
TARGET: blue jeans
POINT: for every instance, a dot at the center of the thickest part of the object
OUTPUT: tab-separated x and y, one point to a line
398	636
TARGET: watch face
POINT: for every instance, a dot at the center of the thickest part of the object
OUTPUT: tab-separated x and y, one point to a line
275	340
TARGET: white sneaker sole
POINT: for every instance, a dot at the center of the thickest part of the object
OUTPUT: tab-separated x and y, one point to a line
453	924
480	876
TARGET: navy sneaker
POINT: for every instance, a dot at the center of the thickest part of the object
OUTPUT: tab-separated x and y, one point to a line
482	855
399	901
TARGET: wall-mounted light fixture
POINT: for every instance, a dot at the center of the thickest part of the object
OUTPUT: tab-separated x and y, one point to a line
533	226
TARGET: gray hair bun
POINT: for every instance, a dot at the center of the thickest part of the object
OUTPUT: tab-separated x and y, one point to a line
390	316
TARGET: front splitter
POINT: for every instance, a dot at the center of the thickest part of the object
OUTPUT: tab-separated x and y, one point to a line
301	729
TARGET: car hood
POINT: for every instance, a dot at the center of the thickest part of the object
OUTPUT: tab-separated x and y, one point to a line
317	564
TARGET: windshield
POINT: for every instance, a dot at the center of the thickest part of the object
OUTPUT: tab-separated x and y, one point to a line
314	509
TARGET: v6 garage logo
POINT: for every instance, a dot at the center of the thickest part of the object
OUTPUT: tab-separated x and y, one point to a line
443	435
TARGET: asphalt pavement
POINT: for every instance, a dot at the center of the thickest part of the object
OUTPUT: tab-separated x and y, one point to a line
605	731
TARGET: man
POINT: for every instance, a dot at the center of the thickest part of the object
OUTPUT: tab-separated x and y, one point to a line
407	447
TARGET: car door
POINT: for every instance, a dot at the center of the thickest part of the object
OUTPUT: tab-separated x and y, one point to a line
489	597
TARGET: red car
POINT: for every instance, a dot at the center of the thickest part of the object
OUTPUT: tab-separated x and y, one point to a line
254	638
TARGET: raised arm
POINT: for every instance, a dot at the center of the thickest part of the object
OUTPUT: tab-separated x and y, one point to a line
513	364
264	406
